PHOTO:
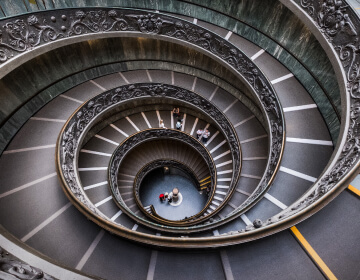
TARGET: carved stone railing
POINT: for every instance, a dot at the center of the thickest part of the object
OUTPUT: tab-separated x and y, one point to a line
13	268
91	111
29	32
100	21
144	171
40	31
140	138
340	27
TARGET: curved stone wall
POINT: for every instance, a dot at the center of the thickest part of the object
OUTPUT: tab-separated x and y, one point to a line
50	67
268	24
35	89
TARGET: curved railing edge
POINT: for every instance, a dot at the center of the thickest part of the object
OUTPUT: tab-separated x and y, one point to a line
168	162
113	177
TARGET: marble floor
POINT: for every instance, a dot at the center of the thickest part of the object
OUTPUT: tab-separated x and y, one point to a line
156	183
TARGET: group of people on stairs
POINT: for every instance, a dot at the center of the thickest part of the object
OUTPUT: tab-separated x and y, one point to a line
202	134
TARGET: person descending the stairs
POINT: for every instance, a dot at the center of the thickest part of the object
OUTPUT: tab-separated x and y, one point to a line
161	124
179	124
176	112
205	136
199	133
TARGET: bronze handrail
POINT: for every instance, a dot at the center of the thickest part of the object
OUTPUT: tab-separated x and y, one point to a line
208	42
149	135
158	163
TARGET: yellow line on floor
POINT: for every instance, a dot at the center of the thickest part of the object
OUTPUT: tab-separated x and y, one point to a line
204	179
203	184
320	263
354	190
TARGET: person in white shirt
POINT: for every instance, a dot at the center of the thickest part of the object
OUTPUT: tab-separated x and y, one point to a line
161	124
179	123
199	133
205	136
170	198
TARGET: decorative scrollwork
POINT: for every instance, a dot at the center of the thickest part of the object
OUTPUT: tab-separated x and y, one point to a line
336	20
26	33
150	23
97	21
20	35
79	123
151	135
12	268
88	20
118	155
191	33
331	16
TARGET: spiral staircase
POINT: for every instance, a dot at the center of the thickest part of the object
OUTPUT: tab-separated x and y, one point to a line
84	86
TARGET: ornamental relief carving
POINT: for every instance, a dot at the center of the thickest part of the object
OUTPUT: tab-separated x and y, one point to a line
149	135
21	35
27	32
340	27
70	138
331	16
12	268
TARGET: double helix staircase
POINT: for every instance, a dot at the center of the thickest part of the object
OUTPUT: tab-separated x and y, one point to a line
35	210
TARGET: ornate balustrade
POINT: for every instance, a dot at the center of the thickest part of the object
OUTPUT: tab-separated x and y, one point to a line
156	164
37	33
150	135
341	32
339	28
91	111
41	31
29	32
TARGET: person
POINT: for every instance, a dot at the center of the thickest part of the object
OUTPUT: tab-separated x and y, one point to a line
170	199
205	136
161	197
176	112
199	133
179	124
208	190
166	195
161	124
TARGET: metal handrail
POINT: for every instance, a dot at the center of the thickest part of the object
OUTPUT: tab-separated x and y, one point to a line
340	170
214	45
149	135
150	167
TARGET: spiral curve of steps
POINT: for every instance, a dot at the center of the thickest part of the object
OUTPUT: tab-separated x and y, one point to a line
46	221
